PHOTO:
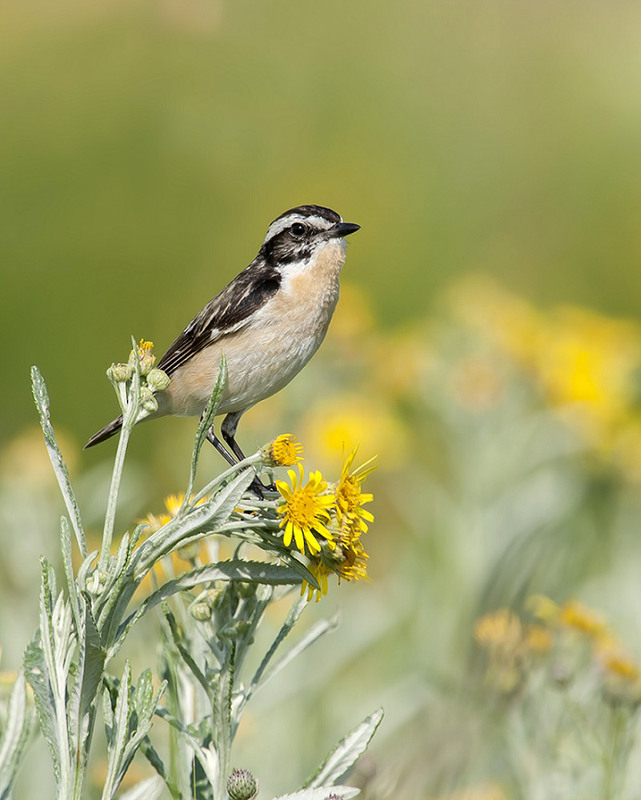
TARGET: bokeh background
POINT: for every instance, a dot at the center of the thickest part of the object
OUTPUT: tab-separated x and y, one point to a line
486	347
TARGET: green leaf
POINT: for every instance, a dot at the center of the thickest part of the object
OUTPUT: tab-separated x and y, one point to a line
41	399
36	673
15	736
315	633
292	618
72	588
149	789
322	793
342	758
238	570
206	422
198	522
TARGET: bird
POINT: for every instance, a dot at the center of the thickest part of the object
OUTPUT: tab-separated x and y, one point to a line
267	322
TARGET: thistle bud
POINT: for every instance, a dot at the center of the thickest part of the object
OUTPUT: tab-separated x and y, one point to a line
241	785
119	373
157	380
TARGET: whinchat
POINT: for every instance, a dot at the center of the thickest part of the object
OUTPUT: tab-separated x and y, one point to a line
268	323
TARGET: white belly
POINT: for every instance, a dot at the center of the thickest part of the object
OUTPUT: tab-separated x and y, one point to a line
261	358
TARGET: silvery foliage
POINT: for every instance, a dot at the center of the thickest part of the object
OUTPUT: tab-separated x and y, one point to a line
84	622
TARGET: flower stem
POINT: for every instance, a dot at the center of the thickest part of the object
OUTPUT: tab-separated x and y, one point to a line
112	500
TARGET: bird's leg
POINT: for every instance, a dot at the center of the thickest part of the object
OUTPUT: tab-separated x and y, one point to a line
211	437
228	430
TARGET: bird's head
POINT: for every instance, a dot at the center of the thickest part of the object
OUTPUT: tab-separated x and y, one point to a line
302	234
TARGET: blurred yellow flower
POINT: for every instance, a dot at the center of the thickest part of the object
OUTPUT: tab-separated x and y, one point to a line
305	510
581	618
340	424
542	607
590	362
538	639
498	629
503	318
173	504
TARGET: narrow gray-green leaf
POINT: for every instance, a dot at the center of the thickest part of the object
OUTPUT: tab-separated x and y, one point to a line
36	673
149	789
315	633
342	758
199	522
15	736
206	422
72	588
41	399
322	793
239	570
292	618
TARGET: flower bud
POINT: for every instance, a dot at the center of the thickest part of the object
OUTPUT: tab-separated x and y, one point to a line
144	354
241	785
96	582
200	612
245	589
119	373
147	400
157	380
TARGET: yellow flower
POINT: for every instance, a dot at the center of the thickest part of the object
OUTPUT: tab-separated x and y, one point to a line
538	639
581	618
339	423
346	558
173	504
284	451
498	629
305	510
350	498
144	356
542	607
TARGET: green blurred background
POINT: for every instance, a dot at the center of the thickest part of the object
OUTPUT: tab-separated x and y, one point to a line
146	145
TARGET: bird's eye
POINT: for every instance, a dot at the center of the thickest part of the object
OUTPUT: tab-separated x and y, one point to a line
298	229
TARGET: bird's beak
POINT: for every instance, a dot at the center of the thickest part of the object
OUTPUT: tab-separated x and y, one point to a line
342	229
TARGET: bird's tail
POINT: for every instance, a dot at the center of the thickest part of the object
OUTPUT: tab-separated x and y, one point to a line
105	433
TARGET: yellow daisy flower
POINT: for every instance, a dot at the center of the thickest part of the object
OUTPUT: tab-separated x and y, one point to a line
346	558
305	510
350	498
284	451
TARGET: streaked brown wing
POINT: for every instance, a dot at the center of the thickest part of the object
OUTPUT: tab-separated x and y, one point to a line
230	310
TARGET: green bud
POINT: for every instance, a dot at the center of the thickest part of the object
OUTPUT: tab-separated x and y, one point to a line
214	597
200	612
241	785
119	373
157	380
96	582
245	589
147	400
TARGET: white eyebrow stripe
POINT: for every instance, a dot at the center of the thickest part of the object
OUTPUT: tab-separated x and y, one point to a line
279	225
